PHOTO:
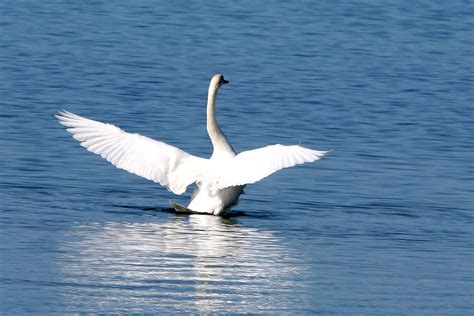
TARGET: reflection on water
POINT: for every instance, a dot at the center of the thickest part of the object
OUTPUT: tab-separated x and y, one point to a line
208	260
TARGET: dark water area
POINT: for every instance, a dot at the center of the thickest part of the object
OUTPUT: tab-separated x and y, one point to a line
382	225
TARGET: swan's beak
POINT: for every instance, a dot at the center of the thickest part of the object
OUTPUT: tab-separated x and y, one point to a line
224	81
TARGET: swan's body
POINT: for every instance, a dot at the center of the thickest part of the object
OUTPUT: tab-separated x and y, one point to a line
219	180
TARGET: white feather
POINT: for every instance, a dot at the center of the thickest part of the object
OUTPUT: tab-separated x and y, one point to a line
251	166
143	156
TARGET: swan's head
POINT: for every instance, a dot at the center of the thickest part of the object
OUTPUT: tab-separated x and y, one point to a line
217	81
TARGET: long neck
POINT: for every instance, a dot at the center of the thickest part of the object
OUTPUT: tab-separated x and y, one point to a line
218	139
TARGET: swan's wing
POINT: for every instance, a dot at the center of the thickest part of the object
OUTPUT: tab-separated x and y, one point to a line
143	156
254	165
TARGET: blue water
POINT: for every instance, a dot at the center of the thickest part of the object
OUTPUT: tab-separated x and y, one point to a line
382	225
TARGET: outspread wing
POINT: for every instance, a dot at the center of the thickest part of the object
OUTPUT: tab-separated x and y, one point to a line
143	156
254	165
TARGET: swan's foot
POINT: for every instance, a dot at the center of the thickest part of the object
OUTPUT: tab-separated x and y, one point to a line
182	209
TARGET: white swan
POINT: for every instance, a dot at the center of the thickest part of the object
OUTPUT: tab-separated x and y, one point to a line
219	180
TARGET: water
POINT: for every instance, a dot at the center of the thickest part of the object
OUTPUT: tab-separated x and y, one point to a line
383	225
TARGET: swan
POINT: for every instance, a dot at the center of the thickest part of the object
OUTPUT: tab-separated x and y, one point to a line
219	180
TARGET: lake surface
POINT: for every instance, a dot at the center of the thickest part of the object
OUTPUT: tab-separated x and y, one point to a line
382	225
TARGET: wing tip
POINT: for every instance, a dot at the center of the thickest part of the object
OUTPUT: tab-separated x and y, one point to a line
317	153
63	115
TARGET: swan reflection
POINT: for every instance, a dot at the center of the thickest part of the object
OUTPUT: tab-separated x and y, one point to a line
189	263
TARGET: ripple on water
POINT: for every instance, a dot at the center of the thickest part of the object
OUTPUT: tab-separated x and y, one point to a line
211	260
